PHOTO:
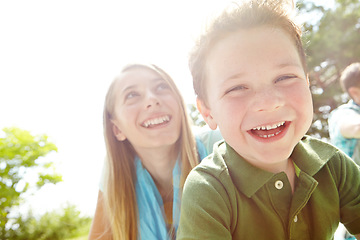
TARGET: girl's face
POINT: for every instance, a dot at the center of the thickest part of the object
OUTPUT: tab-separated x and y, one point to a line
146	110
258	95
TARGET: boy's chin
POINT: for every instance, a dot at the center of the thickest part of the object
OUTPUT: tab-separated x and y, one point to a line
273	157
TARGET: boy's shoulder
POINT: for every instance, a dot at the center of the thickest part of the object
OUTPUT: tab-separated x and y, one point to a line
312	154
210	180
311	147
312	144
214	163
212	172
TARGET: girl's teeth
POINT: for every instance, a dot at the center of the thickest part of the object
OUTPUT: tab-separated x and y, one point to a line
156	121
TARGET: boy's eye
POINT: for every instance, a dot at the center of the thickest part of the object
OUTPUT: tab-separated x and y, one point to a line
236	88
285	78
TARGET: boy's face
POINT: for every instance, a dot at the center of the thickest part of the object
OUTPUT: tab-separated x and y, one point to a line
258	95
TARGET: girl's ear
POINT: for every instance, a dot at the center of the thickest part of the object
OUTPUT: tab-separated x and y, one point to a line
206	113
120	136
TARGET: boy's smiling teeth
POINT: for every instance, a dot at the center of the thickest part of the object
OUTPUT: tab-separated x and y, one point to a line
155	121
269	127
262	131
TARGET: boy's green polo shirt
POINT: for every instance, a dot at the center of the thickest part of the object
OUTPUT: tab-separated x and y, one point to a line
227	198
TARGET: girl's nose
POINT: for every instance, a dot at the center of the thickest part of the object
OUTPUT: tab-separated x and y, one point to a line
151	100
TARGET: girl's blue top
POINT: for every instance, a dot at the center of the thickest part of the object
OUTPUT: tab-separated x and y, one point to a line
152	225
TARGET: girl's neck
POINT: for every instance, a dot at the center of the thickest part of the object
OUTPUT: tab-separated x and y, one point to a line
160	163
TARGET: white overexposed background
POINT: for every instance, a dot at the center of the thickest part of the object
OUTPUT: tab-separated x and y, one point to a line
57	59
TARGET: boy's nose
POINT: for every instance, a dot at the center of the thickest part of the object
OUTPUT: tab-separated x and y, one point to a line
268	100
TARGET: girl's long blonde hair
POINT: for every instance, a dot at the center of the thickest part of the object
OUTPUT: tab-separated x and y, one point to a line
120	176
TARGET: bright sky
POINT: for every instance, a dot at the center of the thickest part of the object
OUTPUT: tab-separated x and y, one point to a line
57	60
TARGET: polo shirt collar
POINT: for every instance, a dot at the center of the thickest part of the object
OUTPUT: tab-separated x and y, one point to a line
248	179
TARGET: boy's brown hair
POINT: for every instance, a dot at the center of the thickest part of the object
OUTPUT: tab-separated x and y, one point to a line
251	14
350	77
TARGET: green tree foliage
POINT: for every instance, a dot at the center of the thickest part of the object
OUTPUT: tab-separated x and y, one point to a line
21	152
55	225
331	44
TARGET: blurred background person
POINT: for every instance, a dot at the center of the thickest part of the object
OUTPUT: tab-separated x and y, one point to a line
344	121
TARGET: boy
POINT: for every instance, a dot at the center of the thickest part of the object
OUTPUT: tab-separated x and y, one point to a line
344	121
267	180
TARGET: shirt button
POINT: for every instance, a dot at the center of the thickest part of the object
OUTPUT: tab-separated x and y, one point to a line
279	184
295	218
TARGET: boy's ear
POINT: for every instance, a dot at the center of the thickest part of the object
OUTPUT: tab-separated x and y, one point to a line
120	136
206	113
308	80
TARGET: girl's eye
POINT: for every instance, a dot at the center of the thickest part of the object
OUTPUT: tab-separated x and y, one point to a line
236	88
131	95
162	86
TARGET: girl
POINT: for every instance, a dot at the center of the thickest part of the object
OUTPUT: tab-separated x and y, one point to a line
150	151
